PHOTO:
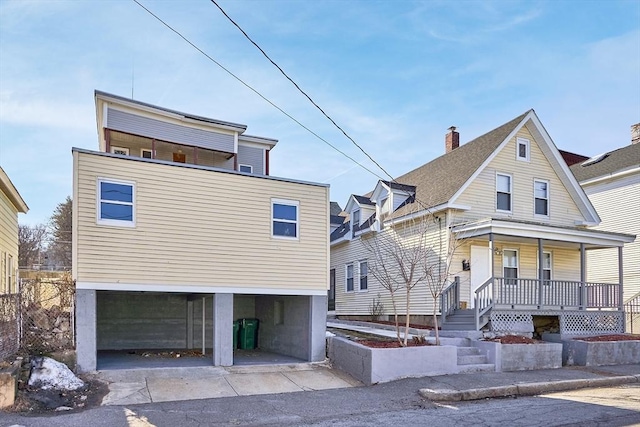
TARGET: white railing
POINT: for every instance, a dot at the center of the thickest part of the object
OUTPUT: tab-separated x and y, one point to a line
450	300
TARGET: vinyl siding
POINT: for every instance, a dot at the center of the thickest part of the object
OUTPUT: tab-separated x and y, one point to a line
251	156
171	132
198	227
618	204
358	302
480	195
8	242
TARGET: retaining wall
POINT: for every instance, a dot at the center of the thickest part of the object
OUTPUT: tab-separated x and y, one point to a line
521	357
600	353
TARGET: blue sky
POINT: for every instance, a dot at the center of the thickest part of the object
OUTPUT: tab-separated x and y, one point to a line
394	74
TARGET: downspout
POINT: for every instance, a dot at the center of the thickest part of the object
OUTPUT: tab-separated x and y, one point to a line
204	306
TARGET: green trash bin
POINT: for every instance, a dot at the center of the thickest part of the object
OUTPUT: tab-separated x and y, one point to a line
248	334
236	327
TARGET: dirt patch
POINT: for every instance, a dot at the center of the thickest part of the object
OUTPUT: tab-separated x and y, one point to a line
167	354
402	325
513	339
614	337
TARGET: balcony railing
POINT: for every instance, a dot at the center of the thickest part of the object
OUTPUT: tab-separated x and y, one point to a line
534	293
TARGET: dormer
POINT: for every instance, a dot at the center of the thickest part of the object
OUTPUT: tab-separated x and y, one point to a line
362	213
389	196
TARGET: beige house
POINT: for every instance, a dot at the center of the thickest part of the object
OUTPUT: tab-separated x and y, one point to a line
612	183
179	230
11	204
521	227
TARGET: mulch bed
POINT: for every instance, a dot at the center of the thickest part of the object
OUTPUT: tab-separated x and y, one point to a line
390	344
513	339
402	325
614	337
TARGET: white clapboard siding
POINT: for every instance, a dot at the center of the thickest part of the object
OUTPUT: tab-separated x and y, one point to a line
617	201
8	241
198	227
480	195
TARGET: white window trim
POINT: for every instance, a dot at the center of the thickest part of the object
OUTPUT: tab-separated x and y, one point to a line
517	251
510	193
246	166
346	277
115	222
550	262
114	148
142	151
527	143
537	215
360	275
297	221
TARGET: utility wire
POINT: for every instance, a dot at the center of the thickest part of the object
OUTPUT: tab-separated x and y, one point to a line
260	94
301	91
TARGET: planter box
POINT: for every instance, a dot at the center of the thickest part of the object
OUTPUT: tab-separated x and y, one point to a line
379	365
599	353
521	357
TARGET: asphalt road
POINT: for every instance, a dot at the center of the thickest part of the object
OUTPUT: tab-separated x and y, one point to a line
392	404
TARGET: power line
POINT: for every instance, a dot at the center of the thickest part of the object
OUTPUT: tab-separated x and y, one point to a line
258	93
300	90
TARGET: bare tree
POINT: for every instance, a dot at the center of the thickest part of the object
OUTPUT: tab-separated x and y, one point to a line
31	244
60	226
416	251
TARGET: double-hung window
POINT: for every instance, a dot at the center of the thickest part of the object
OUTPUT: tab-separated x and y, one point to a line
355	221
503	192
116	203
546	266
541	197
349	278
284	219
510	266
364	273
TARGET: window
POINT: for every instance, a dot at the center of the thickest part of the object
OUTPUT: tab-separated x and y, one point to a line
147	154
284	219
364	271
523	149
115	203
245	168
503	190
541	196
349	278
355	221
510	266
10	278
546	266
119	150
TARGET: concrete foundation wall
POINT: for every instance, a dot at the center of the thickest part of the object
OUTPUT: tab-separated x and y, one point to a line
374	365
137	320
521	357
584	353
288	333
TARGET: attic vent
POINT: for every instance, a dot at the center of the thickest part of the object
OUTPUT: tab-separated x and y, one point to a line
594	159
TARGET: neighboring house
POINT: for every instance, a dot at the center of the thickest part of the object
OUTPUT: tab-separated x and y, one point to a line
612	182
11	204
522	225
178	231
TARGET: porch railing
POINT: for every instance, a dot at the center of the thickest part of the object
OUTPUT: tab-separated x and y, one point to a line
450	299
554	293
484	300
632	313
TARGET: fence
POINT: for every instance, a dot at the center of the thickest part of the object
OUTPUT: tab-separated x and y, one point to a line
39	319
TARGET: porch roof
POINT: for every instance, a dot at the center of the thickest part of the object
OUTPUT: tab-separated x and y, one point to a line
512	229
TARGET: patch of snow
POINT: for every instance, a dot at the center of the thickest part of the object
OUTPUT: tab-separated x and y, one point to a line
47	373
330	334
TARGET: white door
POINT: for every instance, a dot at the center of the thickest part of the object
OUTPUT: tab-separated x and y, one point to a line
480	268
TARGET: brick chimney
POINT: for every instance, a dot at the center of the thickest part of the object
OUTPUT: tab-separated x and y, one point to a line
635	133
451	140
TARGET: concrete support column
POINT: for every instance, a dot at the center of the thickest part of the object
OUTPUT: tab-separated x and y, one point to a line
86	338
317	327
222	329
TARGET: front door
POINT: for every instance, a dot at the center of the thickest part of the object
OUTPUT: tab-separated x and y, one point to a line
480	268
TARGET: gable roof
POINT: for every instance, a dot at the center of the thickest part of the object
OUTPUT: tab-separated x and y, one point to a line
438	181
7	187
334	208
614	161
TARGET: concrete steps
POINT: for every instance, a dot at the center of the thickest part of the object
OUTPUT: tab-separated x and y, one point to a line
470	359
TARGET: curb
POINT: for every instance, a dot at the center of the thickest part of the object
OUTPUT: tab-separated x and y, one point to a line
525	389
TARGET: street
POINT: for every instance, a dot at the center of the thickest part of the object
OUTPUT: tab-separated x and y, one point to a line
396	403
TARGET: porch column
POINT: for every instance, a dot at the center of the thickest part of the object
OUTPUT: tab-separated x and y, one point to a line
620	280
583	278
540	272
153	148
222	329
493	274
